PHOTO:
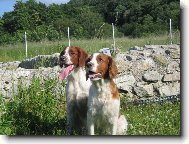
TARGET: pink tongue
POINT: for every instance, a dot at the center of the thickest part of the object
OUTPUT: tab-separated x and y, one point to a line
66	71
92	76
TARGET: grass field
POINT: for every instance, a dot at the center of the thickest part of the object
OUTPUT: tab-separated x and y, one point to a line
17	52
36	111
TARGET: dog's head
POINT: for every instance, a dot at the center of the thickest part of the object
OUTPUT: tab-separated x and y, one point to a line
73	56
70	58
101	66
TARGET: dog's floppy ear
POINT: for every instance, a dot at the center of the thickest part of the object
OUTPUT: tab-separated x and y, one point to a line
112	68
82	57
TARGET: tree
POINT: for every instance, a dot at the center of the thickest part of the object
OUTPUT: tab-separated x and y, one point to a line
88	19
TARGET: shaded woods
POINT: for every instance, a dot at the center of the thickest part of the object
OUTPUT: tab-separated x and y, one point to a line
88	19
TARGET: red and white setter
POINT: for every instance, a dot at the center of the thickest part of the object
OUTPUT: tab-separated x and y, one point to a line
103	101
77	88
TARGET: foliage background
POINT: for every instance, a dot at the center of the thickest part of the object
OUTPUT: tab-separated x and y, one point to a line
88	19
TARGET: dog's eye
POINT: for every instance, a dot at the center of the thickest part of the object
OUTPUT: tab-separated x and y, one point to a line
72	53
100	59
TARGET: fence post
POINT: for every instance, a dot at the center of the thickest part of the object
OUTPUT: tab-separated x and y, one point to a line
170	26
26	45
69	36
113	37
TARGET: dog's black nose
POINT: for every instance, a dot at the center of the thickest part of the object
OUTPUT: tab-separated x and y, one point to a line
89	64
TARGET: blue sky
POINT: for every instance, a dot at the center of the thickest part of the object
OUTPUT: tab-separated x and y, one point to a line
7	5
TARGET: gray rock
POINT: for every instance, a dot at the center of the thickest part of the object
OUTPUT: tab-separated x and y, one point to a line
129	58
160	60
172	67
173	46
122	66
173	53
149	89
41	60
133	52
140	92
148	63
169	89
9	65
152	76
159	51
125	82
120	57
157	85
137	48
171	77
151	46
147	52
143	90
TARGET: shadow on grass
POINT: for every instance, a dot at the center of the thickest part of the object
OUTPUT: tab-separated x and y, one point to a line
26	123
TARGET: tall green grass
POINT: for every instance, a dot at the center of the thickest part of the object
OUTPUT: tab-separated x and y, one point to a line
37	111
17	52
34	111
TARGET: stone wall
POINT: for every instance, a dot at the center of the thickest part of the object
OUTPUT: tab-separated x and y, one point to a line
149	71
40	61
11	79
13	74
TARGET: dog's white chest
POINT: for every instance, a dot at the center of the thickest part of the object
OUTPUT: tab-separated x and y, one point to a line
101	103
77	82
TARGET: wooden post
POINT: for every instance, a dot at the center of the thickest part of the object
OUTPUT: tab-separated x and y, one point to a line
26	45
113	37
69	36
170	26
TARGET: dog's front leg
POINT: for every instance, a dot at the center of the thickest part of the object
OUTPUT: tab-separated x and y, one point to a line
91	129
70	118
90	124
69	123
114	126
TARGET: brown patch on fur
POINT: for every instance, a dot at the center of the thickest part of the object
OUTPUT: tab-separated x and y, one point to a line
82	57
112	68
74	55
78	56
114	90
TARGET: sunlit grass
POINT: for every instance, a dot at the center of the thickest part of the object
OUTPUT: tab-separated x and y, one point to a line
154	119
17	52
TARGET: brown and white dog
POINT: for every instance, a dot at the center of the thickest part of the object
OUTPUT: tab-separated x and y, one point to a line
77	88
103	101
